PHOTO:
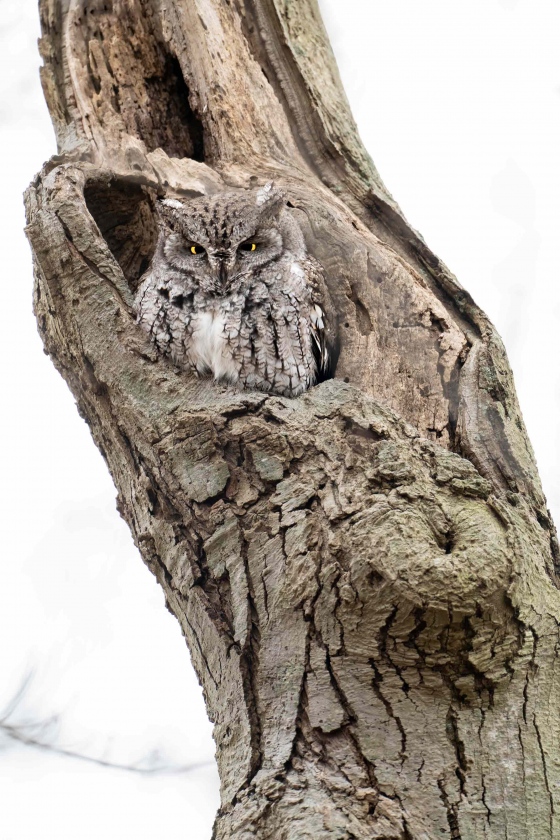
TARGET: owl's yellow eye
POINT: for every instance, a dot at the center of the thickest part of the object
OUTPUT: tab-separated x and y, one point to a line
197	249
248	246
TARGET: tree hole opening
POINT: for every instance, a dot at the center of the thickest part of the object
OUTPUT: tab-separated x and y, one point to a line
125	216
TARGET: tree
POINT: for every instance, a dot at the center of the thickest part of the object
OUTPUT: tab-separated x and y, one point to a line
366	576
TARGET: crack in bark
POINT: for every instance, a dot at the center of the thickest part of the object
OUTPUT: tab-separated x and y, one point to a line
376	684
452	731
249	667
454	832
484	792
545	773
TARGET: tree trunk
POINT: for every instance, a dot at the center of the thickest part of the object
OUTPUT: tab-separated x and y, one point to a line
365	575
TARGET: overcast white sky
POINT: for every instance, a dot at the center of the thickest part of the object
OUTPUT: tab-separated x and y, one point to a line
459	105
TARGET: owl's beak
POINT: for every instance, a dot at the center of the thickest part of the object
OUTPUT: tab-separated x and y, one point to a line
221	263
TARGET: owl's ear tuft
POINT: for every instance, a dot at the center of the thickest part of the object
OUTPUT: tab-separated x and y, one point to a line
269	198
268	194
173	203
166	211
264	194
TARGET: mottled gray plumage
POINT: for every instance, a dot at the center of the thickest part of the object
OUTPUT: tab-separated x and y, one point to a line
232	292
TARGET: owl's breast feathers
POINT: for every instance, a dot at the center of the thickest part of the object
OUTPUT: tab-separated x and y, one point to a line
209	348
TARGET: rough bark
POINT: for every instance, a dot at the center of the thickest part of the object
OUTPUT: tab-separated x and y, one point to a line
365	575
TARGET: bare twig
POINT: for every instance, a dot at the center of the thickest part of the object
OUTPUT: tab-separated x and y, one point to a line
41	733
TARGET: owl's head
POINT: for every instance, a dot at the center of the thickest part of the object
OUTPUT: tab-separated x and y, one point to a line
221	240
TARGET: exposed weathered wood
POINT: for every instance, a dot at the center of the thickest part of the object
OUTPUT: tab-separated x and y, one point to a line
364	575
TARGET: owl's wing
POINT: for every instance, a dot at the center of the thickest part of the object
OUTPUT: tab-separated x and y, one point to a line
319	338
320	333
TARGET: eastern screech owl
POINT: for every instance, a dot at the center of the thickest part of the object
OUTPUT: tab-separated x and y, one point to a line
233	292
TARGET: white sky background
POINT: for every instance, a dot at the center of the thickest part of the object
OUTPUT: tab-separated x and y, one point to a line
459	105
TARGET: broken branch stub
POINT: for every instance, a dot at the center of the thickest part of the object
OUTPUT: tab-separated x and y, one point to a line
365	574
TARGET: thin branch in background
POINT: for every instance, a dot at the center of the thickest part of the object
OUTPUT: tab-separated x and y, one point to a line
41	734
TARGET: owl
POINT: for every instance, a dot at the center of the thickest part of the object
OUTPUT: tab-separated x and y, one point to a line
233	293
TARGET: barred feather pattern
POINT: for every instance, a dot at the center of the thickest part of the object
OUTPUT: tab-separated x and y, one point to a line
251	318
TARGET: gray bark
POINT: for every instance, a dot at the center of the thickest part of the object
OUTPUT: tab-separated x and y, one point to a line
365	575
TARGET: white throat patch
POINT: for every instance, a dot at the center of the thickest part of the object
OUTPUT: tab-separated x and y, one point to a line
209	349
